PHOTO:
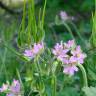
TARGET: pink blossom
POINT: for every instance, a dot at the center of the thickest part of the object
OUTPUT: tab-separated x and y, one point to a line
70	44
64	15
79	55
10	94
11	90
72	60
28	53
37	48
69	54
59	51
4	88
15	87
70	70
31	53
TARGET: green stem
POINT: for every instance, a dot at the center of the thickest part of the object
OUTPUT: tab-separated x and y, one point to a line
3	66
95	5
77	31
43	15
53	85
41	83
84	74
69	29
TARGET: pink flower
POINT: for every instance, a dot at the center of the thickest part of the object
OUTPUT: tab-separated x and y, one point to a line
69	54
70	44
28	53
4	88
70	70
79	55
59	51
37	48
65	60
31	53
11	90
64	15
15	87
10	94
72	60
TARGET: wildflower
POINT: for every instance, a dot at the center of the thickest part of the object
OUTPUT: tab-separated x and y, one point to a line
31	53
10	94
4	88
70	70
70	44
79	55
15	87
28	53
59	52
70	55
12	90
64	16
37	48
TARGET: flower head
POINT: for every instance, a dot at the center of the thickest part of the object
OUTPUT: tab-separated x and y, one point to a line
64	15
4	88
12	90
28	53
70	70
59	51
79	55
10	94
37	48
15	87
70	55
70	44
31	53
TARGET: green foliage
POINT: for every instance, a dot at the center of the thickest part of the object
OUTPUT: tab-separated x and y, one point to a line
87	5
34	31
90	91
68	91
93	36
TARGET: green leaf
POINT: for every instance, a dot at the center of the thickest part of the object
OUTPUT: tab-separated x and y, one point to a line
22	26
93	36
89	91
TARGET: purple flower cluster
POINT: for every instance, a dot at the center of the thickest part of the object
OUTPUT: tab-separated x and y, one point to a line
31	53
11	90
70	55
64	16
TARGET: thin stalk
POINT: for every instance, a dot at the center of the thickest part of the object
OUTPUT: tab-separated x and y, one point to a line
77	31
18	74
3	63
22	26
53	85
69	30
40	75
95	5
14	51
43	15
84	74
